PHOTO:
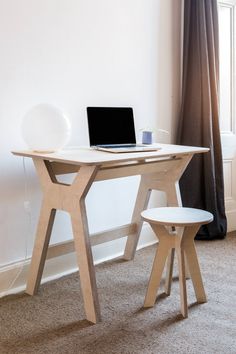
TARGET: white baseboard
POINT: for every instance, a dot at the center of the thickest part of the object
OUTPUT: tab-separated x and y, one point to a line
13	277
231	220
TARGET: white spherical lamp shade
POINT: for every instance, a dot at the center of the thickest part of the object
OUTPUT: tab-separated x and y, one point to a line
45	128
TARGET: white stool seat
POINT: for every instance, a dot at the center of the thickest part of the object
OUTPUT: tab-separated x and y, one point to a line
186	222
177	216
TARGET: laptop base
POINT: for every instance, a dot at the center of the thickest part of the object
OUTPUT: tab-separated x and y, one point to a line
127	149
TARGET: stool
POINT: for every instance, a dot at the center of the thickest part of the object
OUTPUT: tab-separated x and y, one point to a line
186	223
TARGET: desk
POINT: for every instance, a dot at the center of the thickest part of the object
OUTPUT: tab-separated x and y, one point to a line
159	170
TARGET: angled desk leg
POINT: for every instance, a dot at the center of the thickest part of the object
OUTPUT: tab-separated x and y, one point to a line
70	198
173	197
44	230
43	234
141	203
163	181
83	250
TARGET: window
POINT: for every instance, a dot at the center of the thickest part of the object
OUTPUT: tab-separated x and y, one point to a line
227	65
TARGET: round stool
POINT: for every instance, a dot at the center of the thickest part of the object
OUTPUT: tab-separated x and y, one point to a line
186	222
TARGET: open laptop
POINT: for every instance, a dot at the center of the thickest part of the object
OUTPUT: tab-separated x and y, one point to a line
112	129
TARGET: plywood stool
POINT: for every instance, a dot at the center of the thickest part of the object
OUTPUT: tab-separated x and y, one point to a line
186	222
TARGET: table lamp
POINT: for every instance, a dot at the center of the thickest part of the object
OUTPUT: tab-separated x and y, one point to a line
45	128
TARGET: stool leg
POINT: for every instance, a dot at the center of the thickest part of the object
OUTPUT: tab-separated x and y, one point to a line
155	278
169	271
182	280
180	231
194	268
164	246
187	272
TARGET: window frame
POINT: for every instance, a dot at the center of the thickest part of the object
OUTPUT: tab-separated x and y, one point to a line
231	4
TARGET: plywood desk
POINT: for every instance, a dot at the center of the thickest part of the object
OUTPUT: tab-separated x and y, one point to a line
159	170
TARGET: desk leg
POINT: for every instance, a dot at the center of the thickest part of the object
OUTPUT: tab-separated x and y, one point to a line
85	262
173	198
77	210
70	198
43	234
142	200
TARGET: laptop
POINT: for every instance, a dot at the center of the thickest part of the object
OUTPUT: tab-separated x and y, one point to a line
112	129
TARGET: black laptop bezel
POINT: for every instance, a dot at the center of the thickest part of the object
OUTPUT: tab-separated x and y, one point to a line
92	111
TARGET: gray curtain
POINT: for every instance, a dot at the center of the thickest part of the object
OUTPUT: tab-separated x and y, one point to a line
202	183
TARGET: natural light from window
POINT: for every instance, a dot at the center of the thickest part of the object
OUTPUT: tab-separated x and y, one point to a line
226	36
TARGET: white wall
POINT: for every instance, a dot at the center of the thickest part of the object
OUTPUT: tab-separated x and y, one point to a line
75	53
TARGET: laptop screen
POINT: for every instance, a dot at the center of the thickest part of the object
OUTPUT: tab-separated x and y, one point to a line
110	125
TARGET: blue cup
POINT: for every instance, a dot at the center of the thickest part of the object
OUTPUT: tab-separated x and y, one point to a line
147	137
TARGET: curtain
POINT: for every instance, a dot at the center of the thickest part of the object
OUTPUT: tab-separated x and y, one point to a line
202	183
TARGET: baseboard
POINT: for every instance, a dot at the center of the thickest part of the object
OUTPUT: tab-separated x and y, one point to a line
13	277
231	220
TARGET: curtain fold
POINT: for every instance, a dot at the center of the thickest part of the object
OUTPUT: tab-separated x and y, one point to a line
202	184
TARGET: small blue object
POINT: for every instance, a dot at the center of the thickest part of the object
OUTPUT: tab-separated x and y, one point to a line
147	137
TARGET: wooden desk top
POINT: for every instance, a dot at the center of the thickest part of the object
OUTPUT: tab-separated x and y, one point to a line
88	156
